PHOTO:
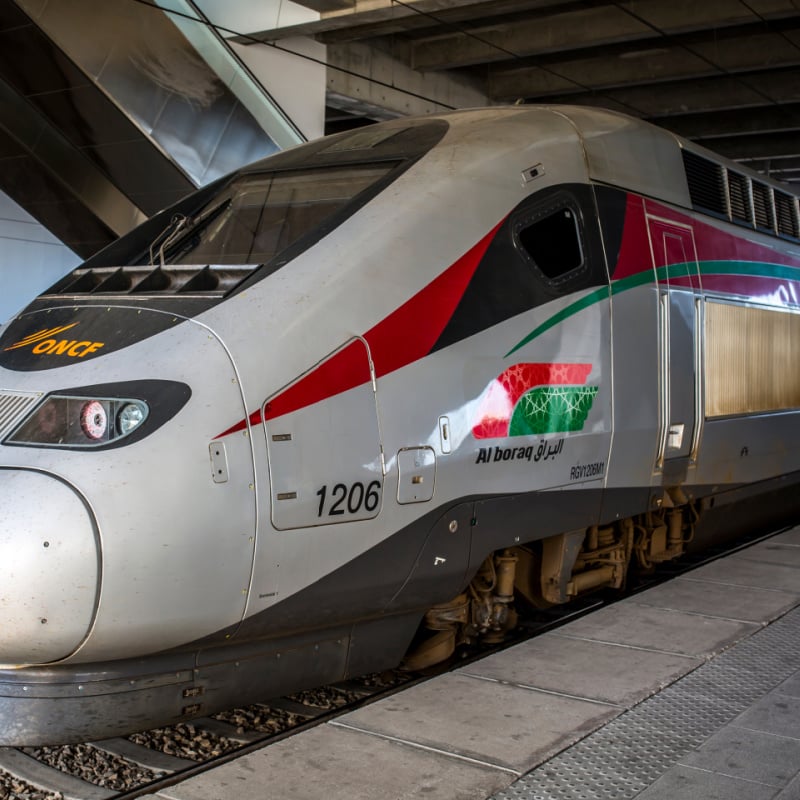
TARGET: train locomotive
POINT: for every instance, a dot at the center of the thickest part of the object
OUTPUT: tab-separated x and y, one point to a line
359	401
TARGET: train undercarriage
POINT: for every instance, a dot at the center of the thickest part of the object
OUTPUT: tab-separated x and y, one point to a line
549	572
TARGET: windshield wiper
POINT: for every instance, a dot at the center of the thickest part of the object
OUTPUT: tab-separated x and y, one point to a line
182	233
168	236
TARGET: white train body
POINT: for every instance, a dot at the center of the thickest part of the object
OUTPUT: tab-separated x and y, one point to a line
453	337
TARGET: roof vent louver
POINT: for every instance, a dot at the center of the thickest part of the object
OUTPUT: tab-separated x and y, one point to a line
716	190
706	183
154	282
204	281
762	206
149	281
117	281
787	215
739	192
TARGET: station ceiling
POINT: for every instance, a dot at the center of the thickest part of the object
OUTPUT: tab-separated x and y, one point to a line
723	73
88	163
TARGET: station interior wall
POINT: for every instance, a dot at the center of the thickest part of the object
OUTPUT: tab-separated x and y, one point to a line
31	258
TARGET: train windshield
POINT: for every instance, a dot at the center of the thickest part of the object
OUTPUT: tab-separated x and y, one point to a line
260	215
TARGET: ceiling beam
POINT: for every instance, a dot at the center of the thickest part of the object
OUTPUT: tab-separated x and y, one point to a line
327	6
742	122
363	80
637	64
609	24
762	146
558	32
781	169
748	90
387	18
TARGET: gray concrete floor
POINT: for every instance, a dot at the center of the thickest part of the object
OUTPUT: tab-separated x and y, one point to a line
688	690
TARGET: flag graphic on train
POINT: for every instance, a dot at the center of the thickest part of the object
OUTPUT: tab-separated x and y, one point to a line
531	399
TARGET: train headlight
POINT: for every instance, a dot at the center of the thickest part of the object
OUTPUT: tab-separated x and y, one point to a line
70	421
101	416
94	420
130	417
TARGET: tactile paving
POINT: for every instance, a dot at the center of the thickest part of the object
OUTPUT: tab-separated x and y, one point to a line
631	752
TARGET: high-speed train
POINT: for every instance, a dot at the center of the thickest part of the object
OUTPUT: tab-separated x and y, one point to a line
360	401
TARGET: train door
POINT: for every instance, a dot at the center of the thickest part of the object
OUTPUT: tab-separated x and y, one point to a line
325	458
326	468
675	261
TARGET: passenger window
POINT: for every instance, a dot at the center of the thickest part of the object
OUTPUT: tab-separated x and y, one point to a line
552	242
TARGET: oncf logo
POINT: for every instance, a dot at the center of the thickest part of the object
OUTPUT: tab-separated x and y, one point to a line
45	343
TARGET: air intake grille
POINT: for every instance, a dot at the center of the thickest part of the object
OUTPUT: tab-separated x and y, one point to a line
762	206
706	183
740	197
12	407
723	192
786	212
208	281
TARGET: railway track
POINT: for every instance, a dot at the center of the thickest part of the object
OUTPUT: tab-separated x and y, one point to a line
127	767
144	763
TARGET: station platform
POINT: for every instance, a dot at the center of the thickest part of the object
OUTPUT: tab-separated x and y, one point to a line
690	689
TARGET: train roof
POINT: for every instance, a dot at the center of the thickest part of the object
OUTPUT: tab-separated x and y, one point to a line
619	150
642	157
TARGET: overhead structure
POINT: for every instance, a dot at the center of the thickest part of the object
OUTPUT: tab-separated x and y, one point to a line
112	111
724	73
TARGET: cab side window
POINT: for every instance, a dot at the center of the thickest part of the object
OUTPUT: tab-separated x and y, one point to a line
551	241
548	247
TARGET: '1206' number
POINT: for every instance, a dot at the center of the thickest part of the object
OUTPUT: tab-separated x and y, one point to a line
350	500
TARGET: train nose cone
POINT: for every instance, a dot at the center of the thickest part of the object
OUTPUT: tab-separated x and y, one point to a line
49	568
